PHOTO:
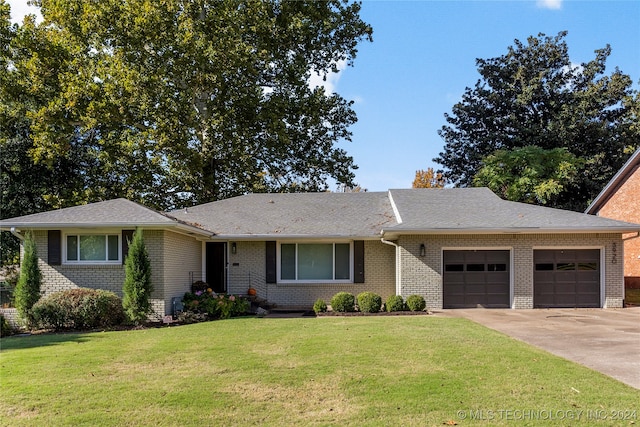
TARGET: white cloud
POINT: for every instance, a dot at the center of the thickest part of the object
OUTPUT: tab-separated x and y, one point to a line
332	79
20	8
549	4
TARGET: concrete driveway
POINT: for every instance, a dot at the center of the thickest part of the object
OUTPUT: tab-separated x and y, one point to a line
606	340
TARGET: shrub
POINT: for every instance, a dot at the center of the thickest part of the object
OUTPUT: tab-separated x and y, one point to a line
137	285
80	308
5	327
395	303
368	302
27	291
343	302
319	306
214	306
416	303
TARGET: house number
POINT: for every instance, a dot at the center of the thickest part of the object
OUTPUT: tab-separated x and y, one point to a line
614	250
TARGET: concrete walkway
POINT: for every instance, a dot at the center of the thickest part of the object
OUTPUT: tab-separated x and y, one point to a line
606	340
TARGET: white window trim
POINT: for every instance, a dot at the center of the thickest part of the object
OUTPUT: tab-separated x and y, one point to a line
117	233
319	242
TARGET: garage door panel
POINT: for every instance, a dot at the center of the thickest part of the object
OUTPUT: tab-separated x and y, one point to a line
482	279
567	278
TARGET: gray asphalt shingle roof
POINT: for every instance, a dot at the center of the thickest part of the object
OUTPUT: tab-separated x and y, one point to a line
479	209
117	212
349	215
294	214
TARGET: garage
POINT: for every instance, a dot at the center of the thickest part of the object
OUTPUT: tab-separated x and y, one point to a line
565	278
476	278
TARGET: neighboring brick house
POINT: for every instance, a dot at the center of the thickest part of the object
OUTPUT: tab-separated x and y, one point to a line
459	248
620	200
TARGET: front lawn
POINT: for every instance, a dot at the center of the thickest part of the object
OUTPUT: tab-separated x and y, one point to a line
413	370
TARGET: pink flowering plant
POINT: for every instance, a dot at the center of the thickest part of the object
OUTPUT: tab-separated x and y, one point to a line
215	306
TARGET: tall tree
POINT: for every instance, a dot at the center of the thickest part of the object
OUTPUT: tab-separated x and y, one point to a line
535	96
187	101
528	174
428	179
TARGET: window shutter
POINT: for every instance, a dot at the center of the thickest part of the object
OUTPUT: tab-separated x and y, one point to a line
127	236
358	261
271	262
54	246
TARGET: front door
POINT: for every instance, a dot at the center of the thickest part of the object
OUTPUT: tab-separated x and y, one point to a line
217	266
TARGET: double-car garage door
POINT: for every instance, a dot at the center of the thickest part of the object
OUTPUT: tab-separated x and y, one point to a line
561	278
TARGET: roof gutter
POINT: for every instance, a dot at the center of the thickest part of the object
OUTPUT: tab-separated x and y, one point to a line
16	233
390	233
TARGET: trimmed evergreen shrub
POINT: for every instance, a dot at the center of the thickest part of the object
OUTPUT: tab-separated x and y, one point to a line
137	285
416	303
343	302
368	302
5	327
319	306
395	303
27	291
80	308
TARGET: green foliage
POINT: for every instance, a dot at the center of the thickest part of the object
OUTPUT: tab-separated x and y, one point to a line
5	327
27	291
343	302
80	308
395	303
534	96
319	306
530	174
175	103
369	302
215	306
137	287
416	303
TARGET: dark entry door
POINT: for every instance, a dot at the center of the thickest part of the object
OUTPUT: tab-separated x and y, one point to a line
476	278
217	266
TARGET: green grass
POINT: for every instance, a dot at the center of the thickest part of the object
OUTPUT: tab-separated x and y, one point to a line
413	370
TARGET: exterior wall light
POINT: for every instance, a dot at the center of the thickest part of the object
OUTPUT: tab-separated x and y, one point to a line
234	248
423	250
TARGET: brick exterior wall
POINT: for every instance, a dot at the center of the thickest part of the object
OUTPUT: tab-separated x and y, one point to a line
422	275
624	205
172	256
251	267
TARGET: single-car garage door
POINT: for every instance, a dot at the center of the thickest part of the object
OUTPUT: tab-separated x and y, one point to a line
476	279
566	278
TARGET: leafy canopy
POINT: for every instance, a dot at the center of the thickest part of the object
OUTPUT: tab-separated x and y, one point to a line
534	96
181	101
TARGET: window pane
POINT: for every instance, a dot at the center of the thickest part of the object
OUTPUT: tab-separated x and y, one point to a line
315	262
288	262
587	266
454	267
547	266
113	247
475	267
93	248
343	252
497	267
72	248
565	266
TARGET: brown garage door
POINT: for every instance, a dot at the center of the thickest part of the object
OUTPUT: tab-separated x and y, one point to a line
476	279
566	278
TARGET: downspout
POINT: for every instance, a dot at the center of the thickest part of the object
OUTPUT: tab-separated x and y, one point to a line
398	273
17	234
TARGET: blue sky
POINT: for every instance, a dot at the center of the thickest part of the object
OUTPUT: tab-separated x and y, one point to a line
423	56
